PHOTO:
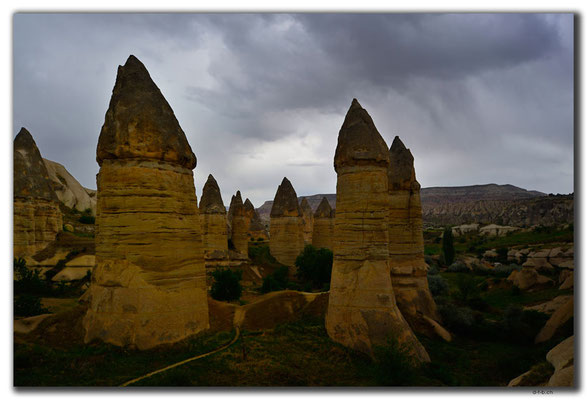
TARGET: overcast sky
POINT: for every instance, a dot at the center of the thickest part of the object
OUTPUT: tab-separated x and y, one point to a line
478	98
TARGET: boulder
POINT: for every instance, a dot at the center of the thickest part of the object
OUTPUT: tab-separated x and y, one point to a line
568	283
550	306
562	358
529	279
362	311
149	283
556	320
286	229
213	218
323	229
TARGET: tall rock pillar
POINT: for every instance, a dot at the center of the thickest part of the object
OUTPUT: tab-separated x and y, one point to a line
362	311
239	226
308	220
149	283
256	229
406	242
37	217
323	229
286	235
213	218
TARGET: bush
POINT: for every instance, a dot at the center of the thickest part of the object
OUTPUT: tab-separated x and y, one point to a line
502	255
457	319
505	270
438	285
458	266
448	249
314	265
261	255
87	219
394	364
480	268
522	326
27	280
226	286
467	288
27	305
276	281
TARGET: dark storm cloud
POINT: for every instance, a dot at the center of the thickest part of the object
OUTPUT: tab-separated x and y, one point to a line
267	93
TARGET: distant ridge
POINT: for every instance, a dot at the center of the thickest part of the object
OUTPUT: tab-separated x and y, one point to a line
489	203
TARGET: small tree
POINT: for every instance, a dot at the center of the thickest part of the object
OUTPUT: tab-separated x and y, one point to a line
448	249
314	265
226	286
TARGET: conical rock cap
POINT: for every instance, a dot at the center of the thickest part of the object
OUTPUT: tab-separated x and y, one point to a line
401	173
139	123
285	201
324	210
211	201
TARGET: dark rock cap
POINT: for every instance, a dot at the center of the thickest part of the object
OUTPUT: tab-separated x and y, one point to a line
139	123
359	142
305	206
211	201
256	224
31	178
248	206
324	210
285	201
401	173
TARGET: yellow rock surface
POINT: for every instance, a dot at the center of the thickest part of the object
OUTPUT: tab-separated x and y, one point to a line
362	311
36	224
323	226
149	284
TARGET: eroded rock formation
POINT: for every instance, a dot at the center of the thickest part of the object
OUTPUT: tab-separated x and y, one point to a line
323	229
239	225
68	190
308	220
406	242
213	218
149	285
286	235
256	229
37	218
362	311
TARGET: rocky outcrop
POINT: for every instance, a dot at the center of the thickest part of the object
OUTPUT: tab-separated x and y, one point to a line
362	311
497	230
149	284
308	220
556	320
37	218
239	224
529	279
406	242
323	230
68	190
256	229
213	218
562	358
286	235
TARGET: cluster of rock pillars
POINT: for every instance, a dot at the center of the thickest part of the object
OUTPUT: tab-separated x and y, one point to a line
149	283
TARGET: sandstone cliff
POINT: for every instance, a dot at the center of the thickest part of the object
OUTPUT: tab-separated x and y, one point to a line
406	242
286	236
149	284
362	311
213	218
37	218
323	229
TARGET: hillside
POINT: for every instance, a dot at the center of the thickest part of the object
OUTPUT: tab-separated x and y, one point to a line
491	203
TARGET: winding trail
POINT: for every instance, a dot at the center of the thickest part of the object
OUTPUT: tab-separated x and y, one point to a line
226	346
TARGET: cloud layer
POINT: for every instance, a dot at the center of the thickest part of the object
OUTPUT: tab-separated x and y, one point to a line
478	98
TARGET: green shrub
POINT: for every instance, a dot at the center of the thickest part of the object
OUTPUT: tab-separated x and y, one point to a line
458	266
502	255
438	285
522	326
278	280
394	364
314	266
467	288
226	286
87	219
448	249
27	305
457	319
27	280
261	255
504	271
